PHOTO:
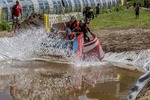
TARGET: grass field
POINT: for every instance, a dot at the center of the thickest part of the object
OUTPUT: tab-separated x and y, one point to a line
122	19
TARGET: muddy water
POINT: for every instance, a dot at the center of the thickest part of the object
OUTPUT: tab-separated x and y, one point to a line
38	80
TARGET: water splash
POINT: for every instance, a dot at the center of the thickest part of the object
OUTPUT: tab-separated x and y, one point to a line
20	46
32	44
139	59
29	44
35	43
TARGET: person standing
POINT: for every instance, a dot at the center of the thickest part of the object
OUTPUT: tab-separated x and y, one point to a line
16	13
97	9
87	13
137	10
90	16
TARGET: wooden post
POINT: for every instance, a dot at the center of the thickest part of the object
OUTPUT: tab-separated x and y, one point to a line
46	22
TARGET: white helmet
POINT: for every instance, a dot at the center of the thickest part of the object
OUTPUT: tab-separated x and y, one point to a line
73	17
68	31
82	22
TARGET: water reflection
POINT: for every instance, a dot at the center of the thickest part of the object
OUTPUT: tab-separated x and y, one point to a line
47	81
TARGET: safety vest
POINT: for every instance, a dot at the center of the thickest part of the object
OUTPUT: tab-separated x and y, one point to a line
72	25
80	28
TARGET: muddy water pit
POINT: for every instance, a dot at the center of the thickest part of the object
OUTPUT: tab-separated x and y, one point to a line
38	80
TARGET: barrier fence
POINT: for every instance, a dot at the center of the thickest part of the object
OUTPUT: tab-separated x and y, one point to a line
49	20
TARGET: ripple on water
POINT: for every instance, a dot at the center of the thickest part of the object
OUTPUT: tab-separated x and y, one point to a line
43	80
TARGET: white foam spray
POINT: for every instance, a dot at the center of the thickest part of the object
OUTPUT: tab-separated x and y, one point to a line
139	59
29	44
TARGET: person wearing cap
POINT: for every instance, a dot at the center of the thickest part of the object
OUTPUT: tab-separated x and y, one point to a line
16	13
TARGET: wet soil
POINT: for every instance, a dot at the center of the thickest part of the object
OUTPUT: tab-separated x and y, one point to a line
5	34
119	40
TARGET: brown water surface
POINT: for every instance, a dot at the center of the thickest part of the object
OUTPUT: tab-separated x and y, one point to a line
38	80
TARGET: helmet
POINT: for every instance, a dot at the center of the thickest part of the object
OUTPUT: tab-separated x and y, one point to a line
68	31
91	10
73	17
53	30
82	22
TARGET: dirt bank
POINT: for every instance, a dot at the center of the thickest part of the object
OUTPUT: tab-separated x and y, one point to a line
118	40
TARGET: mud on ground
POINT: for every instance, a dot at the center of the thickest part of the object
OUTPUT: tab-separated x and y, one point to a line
119	40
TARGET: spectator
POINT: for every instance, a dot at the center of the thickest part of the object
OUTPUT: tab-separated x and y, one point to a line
97	10
137	9
87	7
87	13
16	13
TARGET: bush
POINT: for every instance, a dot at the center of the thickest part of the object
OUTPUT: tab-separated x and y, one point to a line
5	26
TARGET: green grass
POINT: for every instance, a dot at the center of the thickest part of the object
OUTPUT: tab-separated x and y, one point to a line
5	26
122	19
